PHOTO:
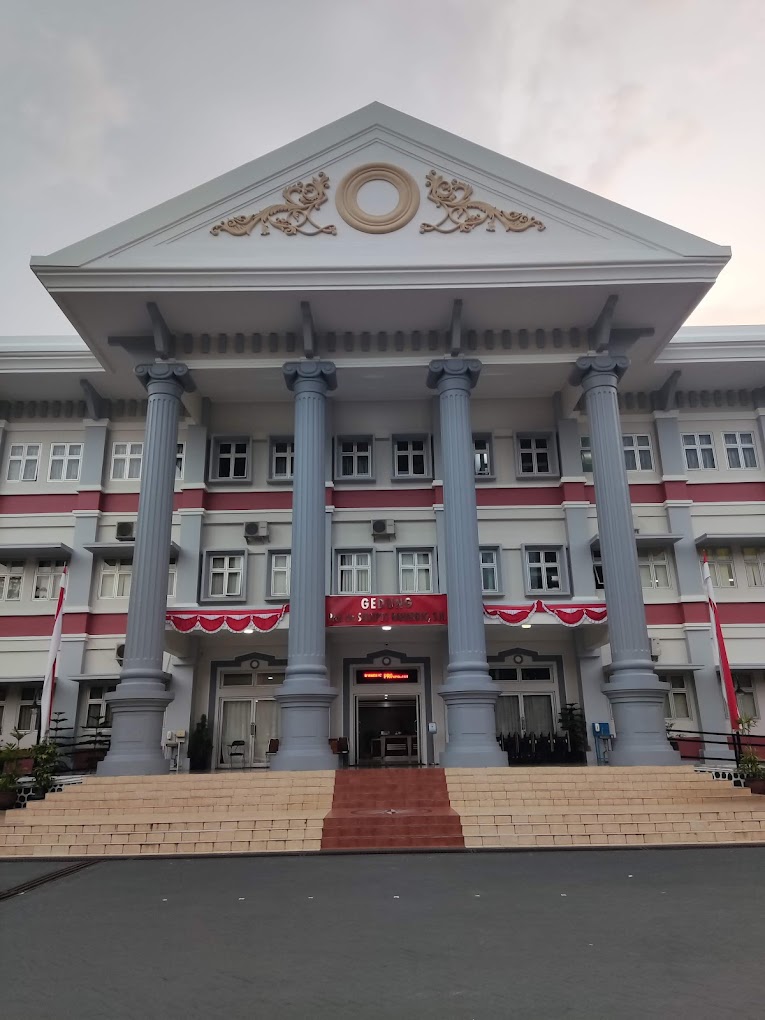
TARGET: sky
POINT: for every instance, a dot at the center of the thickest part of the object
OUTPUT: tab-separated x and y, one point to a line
108	108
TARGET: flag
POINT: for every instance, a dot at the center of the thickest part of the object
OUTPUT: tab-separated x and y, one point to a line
49	684
719	643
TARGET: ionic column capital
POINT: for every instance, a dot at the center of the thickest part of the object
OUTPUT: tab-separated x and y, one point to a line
453	373
310	376
171	377
599	370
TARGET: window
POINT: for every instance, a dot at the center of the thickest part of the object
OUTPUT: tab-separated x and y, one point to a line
353	458
48	579
2	707
171	576
677	701
354	573
597	570
543	570
489	571
98	711
415	572
22	462
282	459
585	448
28	709
754	564
637	453
699	451
11	580
281	563
482	457
535	455
743	686
410	458
721	570
230	459
126	461
115	579
65	461
237	680
654	569
180	461
225	577
739	447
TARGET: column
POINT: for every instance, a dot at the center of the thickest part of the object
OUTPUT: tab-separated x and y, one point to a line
468	692
305	696
635	692
138	705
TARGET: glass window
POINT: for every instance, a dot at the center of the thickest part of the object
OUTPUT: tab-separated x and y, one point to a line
230	459
743	685
98	712
699	451
115	579
489	571
126	461
754	564
637	453
11	580
23	460
482	459
597	570
535	455
410	458
543	570
2	707
354	573
65	459
654	569
415	572
180	460
281	564
28	709
721	570
585	448
237	680
354	458
677	701
171	579
48	579
282	458
739	447
225	575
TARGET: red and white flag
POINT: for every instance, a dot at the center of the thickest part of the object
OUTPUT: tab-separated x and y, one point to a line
719	642
49	684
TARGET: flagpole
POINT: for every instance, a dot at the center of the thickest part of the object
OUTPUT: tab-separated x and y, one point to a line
721	653
49	683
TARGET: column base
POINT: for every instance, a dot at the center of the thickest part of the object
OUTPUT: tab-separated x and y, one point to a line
472	728
138	711
304	727
637	702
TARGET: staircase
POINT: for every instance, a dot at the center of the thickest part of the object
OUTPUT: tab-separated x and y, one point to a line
391	809
602	807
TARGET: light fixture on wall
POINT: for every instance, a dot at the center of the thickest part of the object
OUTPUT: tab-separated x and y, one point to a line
386	626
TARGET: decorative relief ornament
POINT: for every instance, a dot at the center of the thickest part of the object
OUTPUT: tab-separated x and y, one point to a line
464	213
291	216
348	206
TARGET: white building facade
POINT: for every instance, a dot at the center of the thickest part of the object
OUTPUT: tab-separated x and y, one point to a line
387	438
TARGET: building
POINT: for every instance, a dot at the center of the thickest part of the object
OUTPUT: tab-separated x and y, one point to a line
366	375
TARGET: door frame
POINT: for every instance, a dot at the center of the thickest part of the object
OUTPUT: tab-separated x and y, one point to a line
379	699
218	745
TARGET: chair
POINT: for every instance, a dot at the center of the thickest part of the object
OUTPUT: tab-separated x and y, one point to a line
236	750
343	750
273	747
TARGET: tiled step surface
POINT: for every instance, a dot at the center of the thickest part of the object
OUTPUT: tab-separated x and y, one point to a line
391	809
601	807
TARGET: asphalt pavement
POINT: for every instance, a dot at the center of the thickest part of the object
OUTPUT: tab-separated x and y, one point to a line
470	936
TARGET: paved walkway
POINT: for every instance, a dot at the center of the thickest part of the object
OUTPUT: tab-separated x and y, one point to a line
585	934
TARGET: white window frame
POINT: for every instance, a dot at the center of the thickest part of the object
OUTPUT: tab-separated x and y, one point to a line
655	560
557	562
489	559
29	702
23	454
281	448
754	565
483	439
119	573
352	570
744	683
415	566
585	452
693	443
355	455
597	571
234	563
734	443
127	453
48	574
411	454
679	685
2	706
67	457
233	456
535	451
10	571
98	700
639	445
722	568
180	461
279	562
172	581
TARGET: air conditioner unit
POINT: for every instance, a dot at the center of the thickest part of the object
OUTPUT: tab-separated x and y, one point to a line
120	654
126	531
256	531
383	529
655	649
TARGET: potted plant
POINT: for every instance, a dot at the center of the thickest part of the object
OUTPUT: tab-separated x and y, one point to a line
47	763
16	759
200	747
751	770
572	722
91	749
9	782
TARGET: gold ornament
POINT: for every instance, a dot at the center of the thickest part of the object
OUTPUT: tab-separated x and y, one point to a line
291	216
464	213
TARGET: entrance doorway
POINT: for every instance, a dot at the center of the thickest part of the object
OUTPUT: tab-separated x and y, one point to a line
246	727
387	731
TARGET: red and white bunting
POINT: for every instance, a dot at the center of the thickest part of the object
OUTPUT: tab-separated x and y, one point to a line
211	622
567	613
49	683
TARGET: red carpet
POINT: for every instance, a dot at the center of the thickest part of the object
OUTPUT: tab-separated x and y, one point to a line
391	809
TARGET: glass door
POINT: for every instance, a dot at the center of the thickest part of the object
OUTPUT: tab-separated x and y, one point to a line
526	727
266	728
235	738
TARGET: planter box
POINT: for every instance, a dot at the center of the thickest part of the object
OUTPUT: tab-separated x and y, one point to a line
7	799
690	748
21	766
86	759
756	786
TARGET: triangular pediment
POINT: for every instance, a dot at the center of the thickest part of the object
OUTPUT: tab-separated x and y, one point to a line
381	189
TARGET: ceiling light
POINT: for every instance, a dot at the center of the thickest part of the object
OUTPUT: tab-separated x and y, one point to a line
386	626
249	630
525	626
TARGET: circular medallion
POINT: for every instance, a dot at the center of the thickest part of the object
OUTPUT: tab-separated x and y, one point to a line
386	660
348	206
518	659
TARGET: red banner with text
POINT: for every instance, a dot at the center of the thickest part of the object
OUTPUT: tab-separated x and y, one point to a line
385	610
